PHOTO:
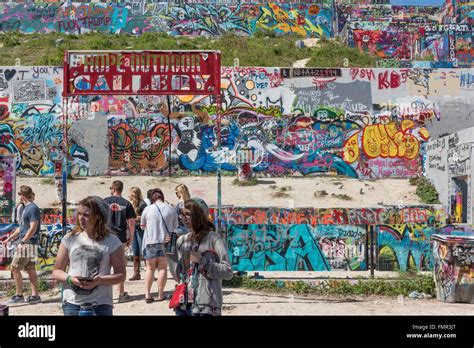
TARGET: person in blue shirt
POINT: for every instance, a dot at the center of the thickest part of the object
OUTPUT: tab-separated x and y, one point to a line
27	239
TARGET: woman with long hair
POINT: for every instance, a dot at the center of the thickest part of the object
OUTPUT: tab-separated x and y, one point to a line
203	262
85	258
136	198
182	192
183	195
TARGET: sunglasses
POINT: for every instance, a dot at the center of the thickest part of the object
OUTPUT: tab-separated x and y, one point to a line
185	216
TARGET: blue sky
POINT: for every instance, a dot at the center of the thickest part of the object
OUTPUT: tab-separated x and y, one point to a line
417	2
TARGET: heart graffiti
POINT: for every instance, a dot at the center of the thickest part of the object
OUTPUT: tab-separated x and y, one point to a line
9	73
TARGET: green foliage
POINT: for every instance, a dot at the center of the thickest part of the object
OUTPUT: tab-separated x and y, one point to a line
43	284
265	48
425	190
403	285
334	53
10	40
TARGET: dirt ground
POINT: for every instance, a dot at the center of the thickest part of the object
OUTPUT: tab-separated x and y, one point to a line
250	302
277	192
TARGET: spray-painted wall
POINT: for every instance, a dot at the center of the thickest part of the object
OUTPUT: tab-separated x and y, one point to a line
403	36
49	241
448	158
193	19
307	239
302	239
365	123
404	247
453	268
31	119
297	247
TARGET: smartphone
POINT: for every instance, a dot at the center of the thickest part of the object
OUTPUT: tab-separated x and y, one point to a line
84	279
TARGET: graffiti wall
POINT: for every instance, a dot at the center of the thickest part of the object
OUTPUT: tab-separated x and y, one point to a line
307	239
7	188
332	216
362	123
302	239
449	167
266	239
50	239
404	247
403	35
137	145
297	247
31	120
191	19
453	268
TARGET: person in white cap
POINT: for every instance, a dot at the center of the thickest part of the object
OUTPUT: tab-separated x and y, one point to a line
89	252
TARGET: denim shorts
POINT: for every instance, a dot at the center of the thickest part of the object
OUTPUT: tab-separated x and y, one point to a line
70	309
153	251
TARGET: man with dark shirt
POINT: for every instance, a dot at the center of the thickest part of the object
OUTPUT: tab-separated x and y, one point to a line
121	215
27	236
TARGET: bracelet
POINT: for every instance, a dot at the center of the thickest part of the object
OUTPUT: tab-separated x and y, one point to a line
69	280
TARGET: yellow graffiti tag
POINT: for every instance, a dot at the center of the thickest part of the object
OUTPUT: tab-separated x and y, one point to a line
384	140
286	22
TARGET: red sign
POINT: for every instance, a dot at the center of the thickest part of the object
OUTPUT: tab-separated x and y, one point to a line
142	73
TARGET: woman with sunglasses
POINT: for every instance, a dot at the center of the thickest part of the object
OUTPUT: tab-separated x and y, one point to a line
203	262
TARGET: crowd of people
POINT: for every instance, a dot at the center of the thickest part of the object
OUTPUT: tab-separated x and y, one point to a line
96	246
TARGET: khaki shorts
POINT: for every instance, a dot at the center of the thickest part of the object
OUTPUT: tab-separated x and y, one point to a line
23	263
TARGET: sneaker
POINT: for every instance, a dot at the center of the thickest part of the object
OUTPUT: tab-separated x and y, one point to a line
124	298
33	299
17	299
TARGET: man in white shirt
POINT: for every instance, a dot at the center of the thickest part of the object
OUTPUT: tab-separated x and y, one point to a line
157	220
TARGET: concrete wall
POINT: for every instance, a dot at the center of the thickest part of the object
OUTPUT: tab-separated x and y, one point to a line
365	123
447	158
303	239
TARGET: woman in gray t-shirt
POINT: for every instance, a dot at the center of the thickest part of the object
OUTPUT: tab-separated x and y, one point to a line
90	251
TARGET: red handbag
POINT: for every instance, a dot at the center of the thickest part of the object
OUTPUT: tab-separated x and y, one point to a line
179	296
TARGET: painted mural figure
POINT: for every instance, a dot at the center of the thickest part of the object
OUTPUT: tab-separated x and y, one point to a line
189	139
